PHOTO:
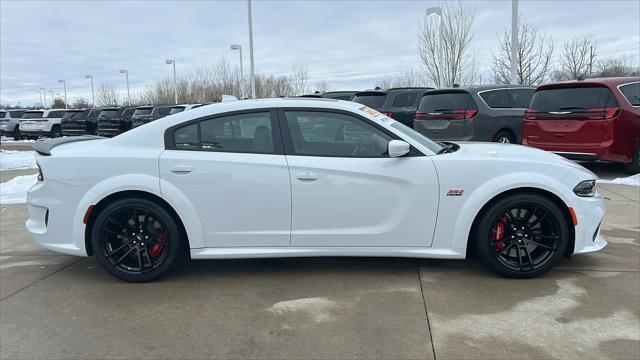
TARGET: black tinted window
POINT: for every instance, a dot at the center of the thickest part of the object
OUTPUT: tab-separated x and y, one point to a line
521	98
15	114
162	111
248	133
110	114
127	113
372	101
572	99
94	113
186	137
497	99
32	115
2	114
632	93
446	102
333	134
405	99
56	114
176	109
73	115
143	111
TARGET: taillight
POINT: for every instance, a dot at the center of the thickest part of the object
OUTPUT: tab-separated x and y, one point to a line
604	113
528	114
469	114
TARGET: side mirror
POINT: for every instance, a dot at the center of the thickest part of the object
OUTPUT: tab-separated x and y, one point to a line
398	148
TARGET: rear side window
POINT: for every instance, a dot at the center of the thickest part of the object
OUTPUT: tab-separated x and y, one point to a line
32	115
521	98
176	109
242	133
631	92
446	102
373	101
56	114
407	99
496	99
143	111
574	99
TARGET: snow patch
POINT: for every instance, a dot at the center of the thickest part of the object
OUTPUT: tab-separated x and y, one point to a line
17	160
633	180
317	308
10	140
15	190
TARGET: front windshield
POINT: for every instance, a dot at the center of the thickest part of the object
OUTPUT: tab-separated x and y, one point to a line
416	136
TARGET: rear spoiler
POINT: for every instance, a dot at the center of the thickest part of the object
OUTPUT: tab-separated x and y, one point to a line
43	147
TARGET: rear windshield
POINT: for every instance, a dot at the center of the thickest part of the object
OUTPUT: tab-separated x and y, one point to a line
572	99
162	110
632	93
143	111
446	102
110	114
56	114
73	115
32	115
372	101
176	109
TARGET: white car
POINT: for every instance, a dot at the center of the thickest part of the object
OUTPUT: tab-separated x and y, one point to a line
38	123
9	120
306	177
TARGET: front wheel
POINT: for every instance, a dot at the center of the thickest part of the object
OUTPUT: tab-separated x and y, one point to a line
56	132
136	240
522	236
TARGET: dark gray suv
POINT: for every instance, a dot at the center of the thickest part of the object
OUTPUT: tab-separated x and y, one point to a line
399	103
476	113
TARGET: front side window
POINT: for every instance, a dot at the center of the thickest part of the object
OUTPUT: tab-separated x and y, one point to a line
496	99
242	133
334	134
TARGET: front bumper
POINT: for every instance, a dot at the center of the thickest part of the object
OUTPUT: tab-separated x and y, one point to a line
590	213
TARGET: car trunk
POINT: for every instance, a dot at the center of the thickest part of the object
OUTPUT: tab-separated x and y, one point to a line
576	116
444	115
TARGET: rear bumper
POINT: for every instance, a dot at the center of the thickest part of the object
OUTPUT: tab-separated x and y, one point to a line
109	132
603	151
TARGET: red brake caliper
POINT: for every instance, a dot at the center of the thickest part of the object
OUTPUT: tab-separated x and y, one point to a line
161	241
498	234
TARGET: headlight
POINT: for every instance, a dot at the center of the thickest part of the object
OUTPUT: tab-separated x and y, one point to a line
586	188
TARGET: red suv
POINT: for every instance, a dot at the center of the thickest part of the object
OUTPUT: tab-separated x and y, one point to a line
594	119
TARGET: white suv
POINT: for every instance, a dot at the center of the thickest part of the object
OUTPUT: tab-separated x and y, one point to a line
36	123
9	122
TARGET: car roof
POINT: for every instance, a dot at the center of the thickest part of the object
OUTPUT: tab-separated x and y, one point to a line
410	88
611	81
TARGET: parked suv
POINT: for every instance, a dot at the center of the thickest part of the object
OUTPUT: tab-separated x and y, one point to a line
401	103
114	120
148	113
9	123
476	113
339	95
36	123
371	98
595	119
79	122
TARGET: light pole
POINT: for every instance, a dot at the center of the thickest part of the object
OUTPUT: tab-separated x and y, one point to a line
239	47
514	41
126	74
253	72
175	83
64	84
44	96
93	97
438	11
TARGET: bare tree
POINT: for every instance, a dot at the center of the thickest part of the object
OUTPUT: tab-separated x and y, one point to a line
577	59
58	103
106	94
617	66
455	35
321	86
81	103
409	78
300	80
534	57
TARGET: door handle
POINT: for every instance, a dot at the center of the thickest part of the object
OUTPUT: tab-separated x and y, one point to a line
181	169
307	176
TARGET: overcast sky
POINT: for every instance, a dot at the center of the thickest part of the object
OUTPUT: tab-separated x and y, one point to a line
350	44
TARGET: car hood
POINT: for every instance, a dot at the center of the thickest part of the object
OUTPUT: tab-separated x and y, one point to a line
521	153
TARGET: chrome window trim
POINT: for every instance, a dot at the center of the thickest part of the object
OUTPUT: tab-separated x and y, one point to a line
625	98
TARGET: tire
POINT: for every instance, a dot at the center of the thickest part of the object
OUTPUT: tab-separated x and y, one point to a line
137	251
504	137
634	167
530	240
55	132
16	133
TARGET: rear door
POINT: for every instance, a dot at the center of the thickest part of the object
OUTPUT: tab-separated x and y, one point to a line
232	170
571	116
444	115
401	105
500	116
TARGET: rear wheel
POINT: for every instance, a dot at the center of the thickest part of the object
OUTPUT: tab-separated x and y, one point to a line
504	137
136	240
522	236
634	167
56	132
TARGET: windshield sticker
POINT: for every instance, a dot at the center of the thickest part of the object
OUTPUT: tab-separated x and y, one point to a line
370	111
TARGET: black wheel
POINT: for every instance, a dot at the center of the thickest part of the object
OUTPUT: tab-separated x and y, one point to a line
136	240
522	236
56	132
16	133
504	137
634	167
